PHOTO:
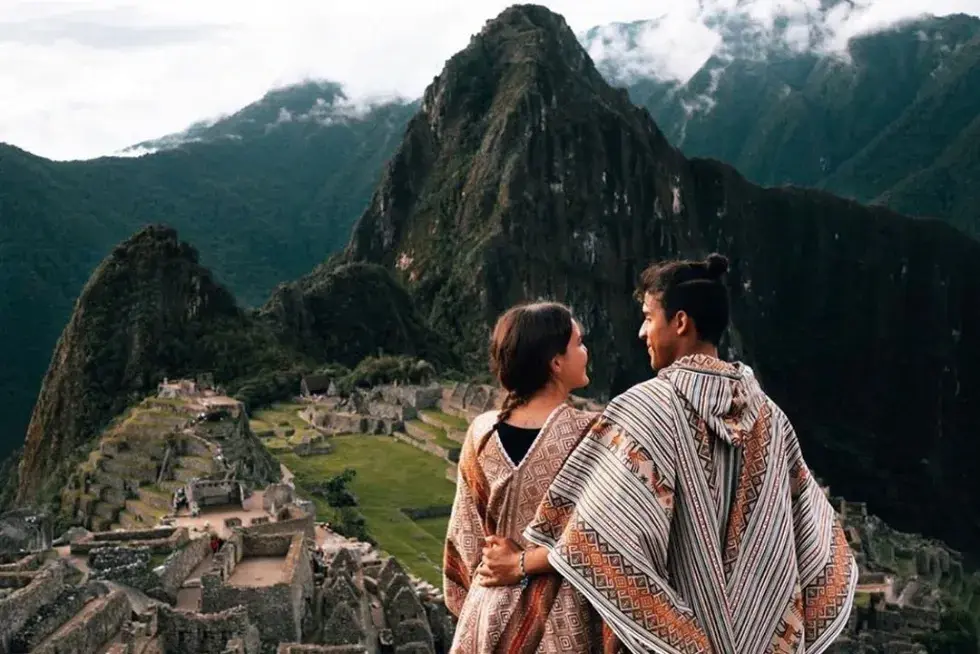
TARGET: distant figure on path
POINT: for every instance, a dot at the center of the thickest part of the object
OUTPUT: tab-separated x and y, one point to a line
687	515
508	461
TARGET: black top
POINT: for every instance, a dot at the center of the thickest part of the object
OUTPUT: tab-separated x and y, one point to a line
516	440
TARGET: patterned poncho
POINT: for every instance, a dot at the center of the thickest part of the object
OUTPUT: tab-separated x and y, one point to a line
496	496
689	519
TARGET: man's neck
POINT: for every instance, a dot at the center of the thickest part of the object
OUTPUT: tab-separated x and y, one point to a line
699	347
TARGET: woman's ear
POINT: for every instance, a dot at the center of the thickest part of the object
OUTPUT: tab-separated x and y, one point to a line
555	365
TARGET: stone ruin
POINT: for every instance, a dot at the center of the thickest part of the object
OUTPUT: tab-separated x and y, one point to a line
379	410
202	386
470	400
206	492
159	540
24	530
905	582
271	576
54	610
374	606
268	589
131	479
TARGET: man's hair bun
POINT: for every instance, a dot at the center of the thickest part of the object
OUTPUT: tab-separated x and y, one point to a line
716	264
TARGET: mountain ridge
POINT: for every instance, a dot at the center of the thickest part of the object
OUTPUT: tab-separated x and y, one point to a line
151	311
518	181
236	193
791	119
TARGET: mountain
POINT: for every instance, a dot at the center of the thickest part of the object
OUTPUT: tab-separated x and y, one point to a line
526	175
892	120
152	311
272	190
265	194
347	313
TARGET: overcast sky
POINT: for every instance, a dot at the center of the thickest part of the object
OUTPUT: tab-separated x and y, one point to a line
83	78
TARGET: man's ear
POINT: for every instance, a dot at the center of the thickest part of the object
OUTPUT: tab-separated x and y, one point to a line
683	323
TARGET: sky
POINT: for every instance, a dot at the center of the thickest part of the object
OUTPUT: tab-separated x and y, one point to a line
85	78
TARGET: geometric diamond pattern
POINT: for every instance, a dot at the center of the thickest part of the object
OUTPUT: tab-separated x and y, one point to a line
495	497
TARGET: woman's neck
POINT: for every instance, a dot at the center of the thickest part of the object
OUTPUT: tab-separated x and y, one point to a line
536	410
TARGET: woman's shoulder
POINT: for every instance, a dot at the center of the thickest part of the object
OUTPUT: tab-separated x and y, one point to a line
582	417
482	425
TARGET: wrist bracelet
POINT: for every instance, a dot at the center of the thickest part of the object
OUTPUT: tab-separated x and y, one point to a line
524	578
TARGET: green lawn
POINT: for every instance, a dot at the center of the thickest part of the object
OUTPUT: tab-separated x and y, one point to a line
455	422
280	413
390	476
435	526
280	425
438	435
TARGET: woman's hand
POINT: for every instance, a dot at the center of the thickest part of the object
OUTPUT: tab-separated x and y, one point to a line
501	564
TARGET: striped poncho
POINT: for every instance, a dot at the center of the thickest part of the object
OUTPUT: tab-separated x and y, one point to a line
689	519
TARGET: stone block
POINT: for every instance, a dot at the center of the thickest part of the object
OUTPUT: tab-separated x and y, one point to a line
91	629
343	627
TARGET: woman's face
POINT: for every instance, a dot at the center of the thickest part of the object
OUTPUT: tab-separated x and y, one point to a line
570	368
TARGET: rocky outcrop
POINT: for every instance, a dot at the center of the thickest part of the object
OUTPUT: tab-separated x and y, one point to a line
148	311
525	175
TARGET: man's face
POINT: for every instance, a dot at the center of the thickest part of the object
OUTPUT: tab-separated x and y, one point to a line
659	334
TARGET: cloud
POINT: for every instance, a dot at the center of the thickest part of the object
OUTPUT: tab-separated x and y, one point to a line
85	78
675	45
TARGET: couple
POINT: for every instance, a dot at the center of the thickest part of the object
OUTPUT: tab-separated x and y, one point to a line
683	519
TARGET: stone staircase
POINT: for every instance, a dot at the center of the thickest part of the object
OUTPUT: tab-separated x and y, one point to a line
129	480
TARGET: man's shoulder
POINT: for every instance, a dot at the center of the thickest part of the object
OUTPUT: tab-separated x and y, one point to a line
652	393
643	407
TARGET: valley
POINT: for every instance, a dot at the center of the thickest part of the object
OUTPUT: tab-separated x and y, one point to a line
253	354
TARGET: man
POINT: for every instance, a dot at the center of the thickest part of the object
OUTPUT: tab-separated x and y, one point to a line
687	515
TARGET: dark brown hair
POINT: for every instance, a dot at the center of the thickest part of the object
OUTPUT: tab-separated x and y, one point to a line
524	341
695	287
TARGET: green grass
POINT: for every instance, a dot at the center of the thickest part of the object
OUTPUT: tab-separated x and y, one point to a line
454	422
390	476
280	425
435	526
438	435
281	414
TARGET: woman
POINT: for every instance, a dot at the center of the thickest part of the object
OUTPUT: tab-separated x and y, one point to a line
501	588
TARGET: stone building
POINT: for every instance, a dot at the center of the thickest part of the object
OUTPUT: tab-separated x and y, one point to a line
207	492
379	410
271	576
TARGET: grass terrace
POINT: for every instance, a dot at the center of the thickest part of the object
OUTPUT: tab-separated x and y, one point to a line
390	476
449	421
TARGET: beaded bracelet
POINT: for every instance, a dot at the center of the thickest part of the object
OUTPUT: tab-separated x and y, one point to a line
525	580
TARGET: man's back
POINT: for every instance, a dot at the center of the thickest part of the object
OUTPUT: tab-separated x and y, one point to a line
690	520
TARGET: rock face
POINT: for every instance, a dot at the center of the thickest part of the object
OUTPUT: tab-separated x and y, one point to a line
347	313
893	120
149	310
525	175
